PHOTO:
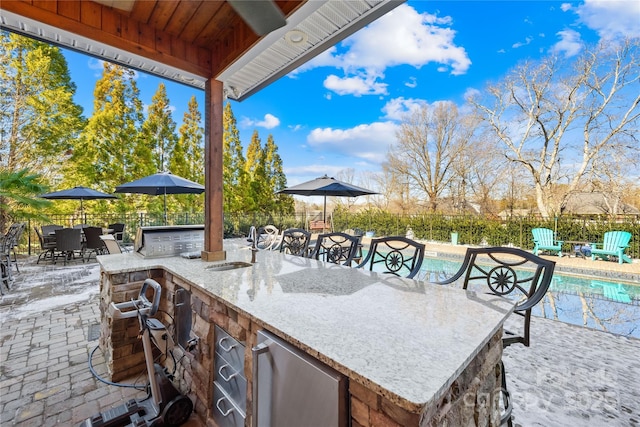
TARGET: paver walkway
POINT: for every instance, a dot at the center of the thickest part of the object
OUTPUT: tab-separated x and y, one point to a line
570	376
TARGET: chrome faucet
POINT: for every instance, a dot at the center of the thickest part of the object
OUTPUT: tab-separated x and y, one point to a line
253	239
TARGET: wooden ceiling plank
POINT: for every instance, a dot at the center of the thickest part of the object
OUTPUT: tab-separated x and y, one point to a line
91	14
162	14
142	11
44	4
182	16
112	22
130	30
70	9
162	43
145	46
205	13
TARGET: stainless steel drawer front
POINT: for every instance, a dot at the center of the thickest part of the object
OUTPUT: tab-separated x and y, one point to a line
230	349
225	411
232	381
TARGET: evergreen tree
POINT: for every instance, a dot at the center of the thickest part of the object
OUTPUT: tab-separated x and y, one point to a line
234	178
159	129
187	159
258	198
281	203
111	150
38	118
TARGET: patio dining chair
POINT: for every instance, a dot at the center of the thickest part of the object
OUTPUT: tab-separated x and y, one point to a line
47	245
395	255
5	263
118	231
268	237
68	244
11	240
111	244
511	273
337	248
295	241
93	244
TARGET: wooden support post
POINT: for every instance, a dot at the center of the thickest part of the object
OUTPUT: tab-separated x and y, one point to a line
213	224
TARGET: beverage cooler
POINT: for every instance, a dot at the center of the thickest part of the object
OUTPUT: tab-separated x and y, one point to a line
291	388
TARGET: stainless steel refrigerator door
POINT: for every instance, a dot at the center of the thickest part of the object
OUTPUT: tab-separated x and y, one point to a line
291	388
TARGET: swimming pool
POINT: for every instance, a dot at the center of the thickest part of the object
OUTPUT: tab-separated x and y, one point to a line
592	302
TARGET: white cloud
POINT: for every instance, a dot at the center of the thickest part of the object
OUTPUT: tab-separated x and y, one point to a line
526	41
269	122
356	85
368	141
570	43
401	37
610	18
565	6
413	82
399	108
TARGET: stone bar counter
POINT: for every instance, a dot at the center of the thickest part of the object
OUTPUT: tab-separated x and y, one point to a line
413	353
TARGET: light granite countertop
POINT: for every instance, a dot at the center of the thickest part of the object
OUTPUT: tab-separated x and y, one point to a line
406	339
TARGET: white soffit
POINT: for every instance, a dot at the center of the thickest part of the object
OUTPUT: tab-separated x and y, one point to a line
318	24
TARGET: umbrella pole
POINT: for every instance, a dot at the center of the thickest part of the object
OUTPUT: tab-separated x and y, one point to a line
165	205
324	213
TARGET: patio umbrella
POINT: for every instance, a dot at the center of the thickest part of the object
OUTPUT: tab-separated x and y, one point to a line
326	186
161	183
78	193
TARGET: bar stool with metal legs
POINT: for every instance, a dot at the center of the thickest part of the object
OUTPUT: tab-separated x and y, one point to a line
512	273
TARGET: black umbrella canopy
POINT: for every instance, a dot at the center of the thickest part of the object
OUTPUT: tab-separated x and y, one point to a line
326	186
77	193
161	183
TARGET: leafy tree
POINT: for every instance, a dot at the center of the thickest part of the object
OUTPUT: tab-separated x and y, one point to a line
233	161
429	142
556	117
187	157
111	150
38	118
18	191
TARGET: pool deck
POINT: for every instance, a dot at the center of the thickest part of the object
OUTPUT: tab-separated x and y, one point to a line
569	376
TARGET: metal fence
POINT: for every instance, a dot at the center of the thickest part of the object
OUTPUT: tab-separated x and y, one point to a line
457	229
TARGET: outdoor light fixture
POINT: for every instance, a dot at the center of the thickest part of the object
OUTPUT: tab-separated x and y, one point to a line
296	37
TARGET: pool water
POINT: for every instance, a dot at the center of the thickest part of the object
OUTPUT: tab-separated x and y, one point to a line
587	301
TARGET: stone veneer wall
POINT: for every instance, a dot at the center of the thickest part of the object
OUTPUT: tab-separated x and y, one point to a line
472	399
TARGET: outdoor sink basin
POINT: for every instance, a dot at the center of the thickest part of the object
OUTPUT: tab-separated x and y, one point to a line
231	265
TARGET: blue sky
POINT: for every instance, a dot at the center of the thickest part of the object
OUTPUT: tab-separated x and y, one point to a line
341	110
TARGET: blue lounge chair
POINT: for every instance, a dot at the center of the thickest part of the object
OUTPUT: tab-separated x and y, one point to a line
543	241
615	243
